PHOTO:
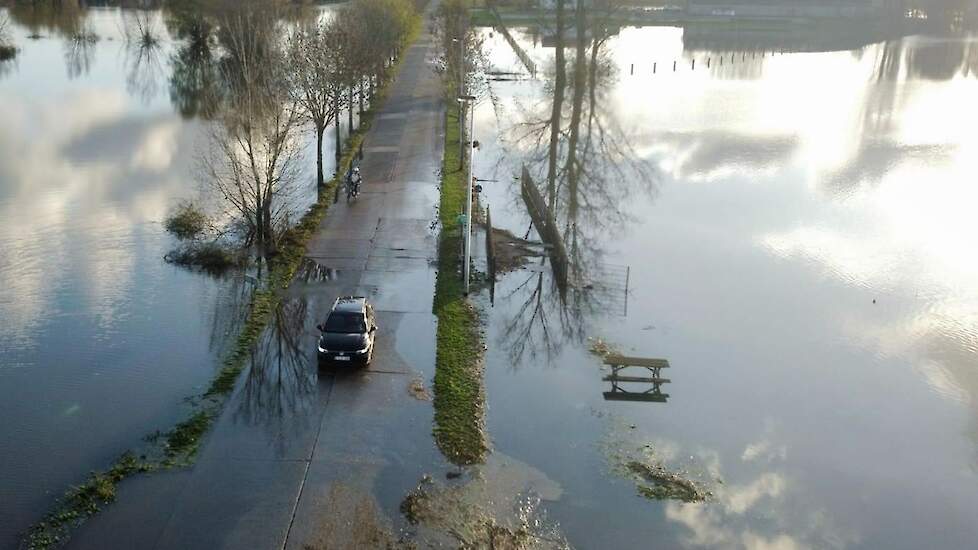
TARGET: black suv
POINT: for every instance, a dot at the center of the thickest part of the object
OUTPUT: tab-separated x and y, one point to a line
348	333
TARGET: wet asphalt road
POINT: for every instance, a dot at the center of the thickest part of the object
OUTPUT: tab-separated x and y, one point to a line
296	445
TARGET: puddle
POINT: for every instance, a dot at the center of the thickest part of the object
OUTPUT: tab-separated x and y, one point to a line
500	504
354	521
311	271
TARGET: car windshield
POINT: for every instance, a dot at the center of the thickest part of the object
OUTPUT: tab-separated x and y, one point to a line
349	323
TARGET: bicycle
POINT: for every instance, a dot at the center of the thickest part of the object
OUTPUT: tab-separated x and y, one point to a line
353	184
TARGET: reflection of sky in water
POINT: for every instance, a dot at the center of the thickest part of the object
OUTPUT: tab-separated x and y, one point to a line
789	196
100	340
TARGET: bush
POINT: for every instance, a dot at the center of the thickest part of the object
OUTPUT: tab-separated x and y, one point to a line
187	221
211	257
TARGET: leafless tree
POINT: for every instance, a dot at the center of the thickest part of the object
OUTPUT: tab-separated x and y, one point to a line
313	73
367	34
254	158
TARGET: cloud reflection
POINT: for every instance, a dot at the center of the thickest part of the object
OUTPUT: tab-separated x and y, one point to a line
78	178
759	513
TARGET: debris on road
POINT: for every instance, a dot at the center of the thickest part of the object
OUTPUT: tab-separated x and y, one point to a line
418	391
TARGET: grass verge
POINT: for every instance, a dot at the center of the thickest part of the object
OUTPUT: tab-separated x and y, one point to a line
180	444
458	372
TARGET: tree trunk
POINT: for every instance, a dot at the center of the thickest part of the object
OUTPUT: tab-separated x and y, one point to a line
580	74
361	99
269	234
560	83
339	147
320	130
349	113
259	223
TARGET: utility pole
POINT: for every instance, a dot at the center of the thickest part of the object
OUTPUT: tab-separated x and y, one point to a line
469	101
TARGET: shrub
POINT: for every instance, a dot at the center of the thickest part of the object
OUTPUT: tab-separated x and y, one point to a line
212	256
187	221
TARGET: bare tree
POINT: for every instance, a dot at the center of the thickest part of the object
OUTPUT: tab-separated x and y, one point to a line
312	72
255	153
362	41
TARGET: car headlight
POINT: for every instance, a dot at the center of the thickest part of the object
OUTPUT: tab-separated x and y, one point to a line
321	349
362	351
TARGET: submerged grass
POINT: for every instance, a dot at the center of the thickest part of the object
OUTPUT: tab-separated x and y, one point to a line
181	443
85	500
458	374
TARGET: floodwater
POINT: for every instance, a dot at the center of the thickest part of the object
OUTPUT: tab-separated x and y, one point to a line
101	341
790	223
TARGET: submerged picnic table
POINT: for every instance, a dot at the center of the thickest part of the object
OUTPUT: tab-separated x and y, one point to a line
653	366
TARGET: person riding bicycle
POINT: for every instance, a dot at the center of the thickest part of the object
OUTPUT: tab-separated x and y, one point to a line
353	182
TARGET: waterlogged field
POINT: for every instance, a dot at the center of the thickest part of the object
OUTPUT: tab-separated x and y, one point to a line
788	221
101	341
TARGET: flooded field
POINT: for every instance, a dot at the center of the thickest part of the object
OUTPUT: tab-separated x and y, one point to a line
786	217
101	341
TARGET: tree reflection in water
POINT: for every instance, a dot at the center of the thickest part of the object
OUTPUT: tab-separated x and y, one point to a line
67	19
279	383
79	51
142	50
589	167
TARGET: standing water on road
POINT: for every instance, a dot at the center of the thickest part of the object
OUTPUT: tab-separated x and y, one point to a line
787	217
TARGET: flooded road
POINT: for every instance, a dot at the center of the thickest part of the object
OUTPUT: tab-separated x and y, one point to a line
792	231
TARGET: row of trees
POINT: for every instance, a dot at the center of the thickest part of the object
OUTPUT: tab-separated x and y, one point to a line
336	64
273	78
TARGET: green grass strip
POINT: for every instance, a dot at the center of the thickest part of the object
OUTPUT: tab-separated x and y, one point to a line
180	444
458	374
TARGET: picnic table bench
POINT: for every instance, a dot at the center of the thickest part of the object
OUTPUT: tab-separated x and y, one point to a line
654	366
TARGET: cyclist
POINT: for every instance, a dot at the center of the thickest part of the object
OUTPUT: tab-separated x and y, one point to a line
353	183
